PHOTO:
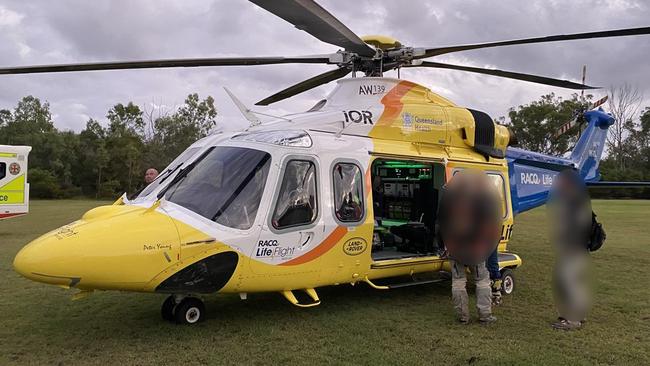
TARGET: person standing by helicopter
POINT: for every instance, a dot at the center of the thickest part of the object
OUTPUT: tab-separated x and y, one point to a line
571	221
469	229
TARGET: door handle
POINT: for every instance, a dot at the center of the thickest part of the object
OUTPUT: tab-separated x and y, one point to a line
305	238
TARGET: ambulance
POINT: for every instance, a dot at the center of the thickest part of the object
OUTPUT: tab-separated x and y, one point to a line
14	189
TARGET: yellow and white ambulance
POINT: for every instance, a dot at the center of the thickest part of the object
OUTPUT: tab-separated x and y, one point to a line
14	189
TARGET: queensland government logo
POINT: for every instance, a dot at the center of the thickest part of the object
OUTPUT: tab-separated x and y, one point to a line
407	119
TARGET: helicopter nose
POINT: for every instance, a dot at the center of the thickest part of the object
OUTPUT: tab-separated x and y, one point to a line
42	261
112	247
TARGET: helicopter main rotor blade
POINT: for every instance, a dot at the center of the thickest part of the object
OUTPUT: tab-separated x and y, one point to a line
429	52
302	86
310	17
509	74
152	64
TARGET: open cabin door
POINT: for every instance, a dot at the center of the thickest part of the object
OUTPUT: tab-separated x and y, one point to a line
405	203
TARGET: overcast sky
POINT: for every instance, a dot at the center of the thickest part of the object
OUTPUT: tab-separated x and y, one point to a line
67	31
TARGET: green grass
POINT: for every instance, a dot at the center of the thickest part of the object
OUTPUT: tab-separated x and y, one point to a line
39	324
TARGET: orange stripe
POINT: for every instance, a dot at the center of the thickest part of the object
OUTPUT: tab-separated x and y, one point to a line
368	179
392	102
321	249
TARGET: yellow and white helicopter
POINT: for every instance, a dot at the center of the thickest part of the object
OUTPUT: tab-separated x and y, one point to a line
309	199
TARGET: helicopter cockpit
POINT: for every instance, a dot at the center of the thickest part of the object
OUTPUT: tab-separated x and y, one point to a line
225	183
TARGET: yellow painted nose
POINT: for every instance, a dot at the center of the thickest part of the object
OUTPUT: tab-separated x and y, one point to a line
39	260
119	250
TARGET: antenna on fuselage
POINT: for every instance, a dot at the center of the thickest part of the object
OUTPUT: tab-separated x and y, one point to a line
245	111
584	75
249	114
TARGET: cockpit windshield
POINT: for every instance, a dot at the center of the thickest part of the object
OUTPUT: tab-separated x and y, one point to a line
170	170
225	186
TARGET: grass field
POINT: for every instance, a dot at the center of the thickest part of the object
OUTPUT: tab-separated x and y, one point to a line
39	324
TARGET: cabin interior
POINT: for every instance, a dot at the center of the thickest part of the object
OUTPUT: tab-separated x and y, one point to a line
405	202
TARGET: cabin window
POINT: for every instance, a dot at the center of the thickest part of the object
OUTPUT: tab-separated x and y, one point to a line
499	184
297	202
225	186
3	170
348	192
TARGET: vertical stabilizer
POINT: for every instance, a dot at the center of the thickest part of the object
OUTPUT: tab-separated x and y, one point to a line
588	151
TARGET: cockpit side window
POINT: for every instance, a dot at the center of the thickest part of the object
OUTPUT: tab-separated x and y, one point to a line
226	186
348	192
297	202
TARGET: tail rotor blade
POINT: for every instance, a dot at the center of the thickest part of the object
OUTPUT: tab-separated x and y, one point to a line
572	123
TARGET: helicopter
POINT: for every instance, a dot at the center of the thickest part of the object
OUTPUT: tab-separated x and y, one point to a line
315	198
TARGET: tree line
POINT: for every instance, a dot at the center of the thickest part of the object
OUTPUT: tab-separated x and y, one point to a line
107	160
103	160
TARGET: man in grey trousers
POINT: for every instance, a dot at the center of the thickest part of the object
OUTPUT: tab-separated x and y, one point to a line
483	292
470	231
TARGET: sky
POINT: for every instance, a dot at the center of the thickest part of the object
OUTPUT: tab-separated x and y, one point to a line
70	31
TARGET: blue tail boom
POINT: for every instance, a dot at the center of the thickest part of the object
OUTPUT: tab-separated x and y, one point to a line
532	174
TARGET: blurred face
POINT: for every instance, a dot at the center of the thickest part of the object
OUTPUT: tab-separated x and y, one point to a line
150	175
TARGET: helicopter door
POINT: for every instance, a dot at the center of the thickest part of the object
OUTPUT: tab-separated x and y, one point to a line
290	234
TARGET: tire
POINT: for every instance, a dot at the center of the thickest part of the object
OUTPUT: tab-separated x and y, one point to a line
167	308
190	311
507	282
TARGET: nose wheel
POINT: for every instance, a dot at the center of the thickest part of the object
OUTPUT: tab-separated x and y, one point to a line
183	310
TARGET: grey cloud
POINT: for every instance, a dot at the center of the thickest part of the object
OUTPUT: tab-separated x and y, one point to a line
77	31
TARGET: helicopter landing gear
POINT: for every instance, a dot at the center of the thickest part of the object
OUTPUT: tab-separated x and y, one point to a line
183	309
167	308
507	281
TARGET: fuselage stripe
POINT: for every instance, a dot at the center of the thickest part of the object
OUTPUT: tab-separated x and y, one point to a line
321	249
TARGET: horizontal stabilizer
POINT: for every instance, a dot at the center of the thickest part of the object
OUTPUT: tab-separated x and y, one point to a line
618	184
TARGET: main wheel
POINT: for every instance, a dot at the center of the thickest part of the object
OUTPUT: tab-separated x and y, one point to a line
167	308
507	281
189	311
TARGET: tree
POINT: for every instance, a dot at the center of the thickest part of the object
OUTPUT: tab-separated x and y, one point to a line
200	114
92	158
535	123
126	119
31	124
173	133
125	143
623	103
102	161
5	117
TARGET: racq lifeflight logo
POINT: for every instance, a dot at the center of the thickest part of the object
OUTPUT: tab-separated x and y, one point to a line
271	249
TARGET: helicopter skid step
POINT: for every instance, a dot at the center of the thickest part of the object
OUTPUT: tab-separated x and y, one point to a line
413	283
401	284
288	294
